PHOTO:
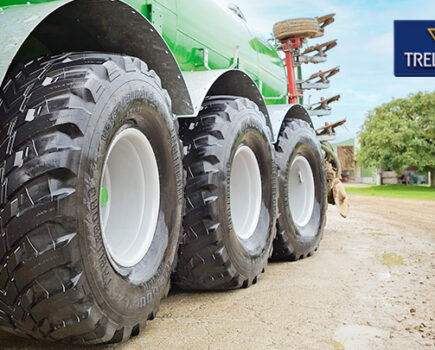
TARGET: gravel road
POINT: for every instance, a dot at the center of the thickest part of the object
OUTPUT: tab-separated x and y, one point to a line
370	286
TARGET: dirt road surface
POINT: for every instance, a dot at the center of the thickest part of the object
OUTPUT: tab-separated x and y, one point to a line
370	286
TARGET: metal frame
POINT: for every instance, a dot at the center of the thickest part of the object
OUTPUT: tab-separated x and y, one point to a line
289	47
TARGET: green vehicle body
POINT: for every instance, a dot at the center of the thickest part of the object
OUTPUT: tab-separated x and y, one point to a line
197	47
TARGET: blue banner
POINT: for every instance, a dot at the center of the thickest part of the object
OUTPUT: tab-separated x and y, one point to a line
414	48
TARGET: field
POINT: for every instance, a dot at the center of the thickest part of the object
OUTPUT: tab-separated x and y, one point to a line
396	191
371	286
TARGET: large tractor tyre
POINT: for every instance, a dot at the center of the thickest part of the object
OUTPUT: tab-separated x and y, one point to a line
302	185
230	194
91	198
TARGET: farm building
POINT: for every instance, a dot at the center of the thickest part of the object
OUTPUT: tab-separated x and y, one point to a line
352	172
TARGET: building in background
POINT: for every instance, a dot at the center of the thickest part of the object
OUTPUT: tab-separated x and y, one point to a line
352	172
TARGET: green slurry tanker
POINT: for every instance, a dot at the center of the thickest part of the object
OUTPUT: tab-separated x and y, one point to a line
145	141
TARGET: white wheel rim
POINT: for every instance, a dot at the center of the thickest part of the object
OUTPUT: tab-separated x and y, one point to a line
245	192
130	197
301	191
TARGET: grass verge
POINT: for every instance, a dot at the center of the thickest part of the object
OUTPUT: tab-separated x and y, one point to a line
396	191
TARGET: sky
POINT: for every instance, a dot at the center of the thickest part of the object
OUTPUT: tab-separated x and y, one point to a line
364	30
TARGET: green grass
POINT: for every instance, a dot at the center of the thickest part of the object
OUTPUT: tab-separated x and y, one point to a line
396	191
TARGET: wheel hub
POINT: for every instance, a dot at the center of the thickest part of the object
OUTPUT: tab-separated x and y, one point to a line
301	190
245	192
129	197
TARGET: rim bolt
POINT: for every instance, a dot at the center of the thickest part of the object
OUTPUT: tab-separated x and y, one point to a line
301	181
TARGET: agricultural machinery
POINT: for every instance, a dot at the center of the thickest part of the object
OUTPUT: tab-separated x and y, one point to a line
150	141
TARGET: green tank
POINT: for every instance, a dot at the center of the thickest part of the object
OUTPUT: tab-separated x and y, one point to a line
190	39
143	142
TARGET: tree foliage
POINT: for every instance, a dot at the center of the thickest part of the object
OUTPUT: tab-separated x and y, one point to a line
400	134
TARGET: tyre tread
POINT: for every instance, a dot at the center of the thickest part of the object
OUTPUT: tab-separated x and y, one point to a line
203	262
45	106
282	248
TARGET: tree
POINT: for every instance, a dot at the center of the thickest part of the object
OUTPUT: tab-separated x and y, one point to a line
400	134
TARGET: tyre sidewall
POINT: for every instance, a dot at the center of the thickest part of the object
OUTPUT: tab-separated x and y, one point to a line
301	141
249	129
134	101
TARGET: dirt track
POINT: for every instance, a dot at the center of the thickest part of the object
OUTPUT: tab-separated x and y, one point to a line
371	286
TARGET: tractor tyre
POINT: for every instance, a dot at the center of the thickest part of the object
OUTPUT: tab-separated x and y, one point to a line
302	185
301	27
230	194
91	198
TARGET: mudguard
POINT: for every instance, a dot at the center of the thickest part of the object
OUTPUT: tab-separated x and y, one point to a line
98	25
16	24
278	113
223	82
